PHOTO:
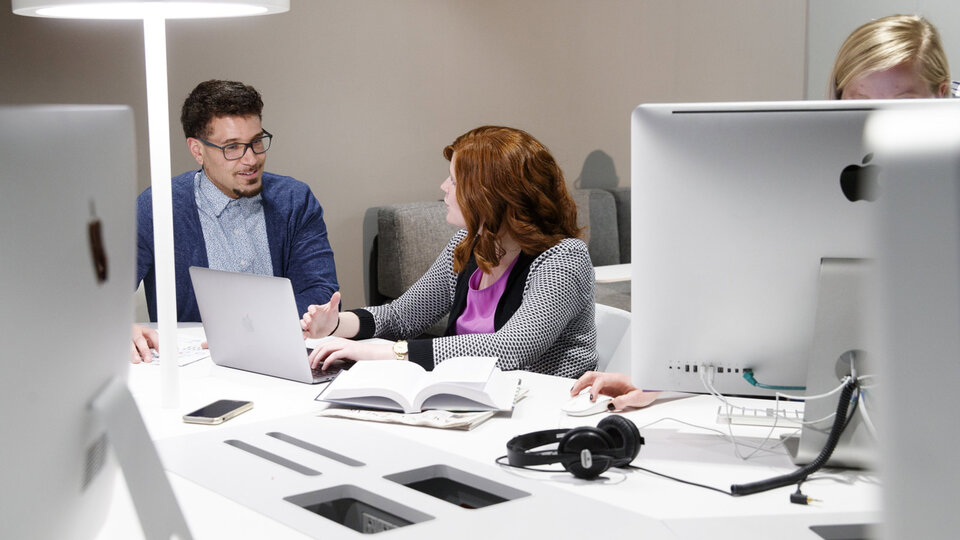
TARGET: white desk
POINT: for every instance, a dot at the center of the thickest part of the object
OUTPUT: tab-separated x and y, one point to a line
671	448
612	273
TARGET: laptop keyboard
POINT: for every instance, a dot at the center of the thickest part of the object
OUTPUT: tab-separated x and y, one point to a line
320	375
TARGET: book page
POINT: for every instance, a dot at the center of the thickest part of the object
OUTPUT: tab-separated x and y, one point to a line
459	376
496	393
468	370
398	381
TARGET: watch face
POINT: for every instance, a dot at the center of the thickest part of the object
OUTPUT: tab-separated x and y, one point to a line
400	348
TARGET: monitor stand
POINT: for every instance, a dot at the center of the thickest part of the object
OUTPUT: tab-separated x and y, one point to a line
840	335
156	505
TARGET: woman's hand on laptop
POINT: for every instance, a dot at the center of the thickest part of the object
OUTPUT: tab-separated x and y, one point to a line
321	321
333	351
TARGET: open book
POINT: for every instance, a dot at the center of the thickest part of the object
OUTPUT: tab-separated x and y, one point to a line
466	383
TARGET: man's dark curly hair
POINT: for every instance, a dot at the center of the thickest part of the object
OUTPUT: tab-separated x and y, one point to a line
213	98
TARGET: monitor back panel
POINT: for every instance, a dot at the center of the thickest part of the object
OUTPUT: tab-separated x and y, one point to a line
67	244
920	299
734	206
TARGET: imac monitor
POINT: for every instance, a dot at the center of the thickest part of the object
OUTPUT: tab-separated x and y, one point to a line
735	206
920	296
67	275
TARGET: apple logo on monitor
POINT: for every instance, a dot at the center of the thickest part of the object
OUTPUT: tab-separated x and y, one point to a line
859	182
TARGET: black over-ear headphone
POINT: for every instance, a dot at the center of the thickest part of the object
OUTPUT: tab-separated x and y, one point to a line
586	452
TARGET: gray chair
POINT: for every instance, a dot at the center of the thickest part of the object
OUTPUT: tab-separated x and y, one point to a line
597	211
403	240
622	197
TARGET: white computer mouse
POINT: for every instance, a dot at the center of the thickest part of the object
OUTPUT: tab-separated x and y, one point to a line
580	405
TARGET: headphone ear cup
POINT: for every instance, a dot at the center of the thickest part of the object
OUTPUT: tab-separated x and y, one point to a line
585	438
624	434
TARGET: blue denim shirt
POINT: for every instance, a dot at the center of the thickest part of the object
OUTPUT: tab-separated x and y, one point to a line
234	230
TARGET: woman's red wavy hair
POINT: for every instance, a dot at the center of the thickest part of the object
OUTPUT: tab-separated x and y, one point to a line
507	182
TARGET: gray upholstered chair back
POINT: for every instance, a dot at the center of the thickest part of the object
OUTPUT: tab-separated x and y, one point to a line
401	241
411	236
597	211
622	197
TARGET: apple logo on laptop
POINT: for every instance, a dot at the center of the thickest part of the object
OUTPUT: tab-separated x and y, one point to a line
247	323
859	182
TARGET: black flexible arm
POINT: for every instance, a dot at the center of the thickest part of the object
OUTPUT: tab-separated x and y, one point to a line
839	423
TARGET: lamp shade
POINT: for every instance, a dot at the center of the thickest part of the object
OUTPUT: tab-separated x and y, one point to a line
142	9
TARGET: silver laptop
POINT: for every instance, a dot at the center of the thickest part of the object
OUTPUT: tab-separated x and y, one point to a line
252	323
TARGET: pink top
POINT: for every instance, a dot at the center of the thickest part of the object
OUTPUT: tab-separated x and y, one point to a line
477	317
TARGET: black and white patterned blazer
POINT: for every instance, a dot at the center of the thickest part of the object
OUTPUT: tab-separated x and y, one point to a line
544	321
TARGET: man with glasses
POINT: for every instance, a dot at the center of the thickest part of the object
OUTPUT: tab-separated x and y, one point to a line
231	214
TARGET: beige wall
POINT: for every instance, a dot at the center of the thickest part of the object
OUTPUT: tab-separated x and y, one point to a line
363	94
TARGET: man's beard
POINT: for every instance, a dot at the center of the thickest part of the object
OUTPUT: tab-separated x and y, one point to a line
249	193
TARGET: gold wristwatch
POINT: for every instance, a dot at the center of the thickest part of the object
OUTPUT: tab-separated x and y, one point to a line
400	350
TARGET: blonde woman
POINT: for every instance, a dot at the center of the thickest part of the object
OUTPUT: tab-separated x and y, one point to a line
900	56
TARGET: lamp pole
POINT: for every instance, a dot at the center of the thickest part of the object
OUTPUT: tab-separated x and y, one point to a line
158	124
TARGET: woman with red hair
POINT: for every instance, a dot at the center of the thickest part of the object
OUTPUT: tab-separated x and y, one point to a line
516	280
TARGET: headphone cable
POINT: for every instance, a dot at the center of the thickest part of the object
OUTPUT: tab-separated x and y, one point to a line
840	422
682	481
499	461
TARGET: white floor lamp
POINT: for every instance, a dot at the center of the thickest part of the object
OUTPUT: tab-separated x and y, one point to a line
154	14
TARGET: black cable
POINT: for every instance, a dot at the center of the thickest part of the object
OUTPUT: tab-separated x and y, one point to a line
840	422
855	398
499	461
675	479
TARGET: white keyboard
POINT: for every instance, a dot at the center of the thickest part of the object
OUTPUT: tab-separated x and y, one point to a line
188	350
790	415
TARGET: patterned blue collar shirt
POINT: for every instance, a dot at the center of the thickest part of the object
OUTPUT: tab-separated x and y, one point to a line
234	230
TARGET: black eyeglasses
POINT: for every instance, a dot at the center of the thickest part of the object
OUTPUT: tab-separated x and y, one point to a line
235	151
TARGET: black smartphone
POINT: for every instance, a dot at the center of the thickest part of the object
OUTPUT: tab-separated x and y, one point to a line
218	412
